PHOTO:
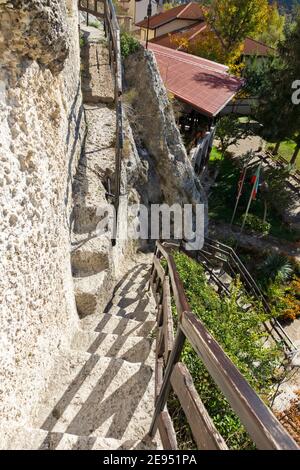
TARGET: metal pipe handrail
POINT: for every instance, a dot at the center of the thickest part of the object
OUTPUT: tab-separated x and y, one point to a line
252	285
112	32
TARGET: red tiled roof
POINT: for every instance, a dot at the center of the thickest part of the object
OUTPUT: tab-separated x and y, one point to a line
189	32
205	85
253	47
190	11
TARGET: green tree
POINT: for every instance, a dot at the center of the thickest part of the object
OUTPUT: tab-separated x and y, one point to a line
234	20
229	131
276	110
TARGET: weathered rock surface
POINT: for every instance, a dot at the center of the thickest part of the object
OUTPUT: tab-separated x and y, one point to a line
171	177
41	129
42	32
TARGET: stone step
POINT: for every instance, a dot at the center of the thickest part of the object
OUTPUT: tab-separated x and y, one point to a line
89	256
89	292
108	397
97	82
129	348
225	279
88	197
117	325
24	438
137	305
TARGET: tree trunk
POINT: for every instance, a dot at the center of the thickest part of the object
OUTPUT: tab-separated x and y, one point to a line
295	154
276	148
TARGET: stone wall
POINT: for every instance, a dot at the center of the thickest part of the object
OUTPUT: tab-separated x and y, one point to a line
41	128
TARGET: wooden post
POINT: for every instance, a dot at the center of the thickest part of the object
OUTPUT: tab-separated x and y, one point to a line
165	388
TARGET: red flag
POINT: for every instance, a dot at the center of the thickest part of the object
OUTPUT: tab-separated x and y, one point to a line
255	182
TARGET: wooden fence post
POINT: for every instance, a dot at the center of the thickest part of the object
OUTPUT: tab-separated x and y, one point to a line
165	388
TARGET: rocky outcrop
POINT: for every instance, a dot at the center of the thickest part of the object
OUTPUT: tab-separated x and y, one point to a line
170	176
40	32
41	129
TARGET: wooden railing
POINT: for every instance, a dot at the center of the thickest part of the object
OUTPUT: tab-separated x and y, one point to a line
260	423
105	10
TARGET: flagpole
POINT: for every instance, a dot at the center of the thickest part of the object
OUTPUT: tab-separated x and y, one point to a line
247	210
250	198
239	195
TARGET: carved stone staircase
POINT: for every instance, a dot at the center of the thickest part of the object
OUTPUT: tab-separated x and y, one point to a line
101	392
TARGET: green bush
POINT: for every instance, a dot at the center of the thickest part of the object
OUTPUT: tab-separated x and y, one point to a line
258	225
129	44
276	267
95	24
240	334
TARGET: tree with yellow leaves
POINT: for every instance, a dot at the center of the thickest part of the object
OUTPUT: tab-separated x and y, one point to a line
229	22
234	20
210	47
273	33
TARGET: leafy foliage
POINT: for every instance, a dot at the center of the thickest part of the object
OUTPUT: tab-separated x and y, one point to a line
253	222
285	299
169	5
276	183
95	24
276	267
229	131
273	32
240	334
276	111
234	20
210	47
223	194
129	44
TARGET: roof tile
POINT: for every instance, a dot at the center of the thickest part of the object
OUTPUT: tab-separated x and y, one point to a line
205	85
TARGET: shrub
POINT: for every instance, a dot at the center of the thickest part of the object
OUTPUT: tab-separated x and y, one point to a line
129	44
286	300
240	334
229	130
258	225
81	40
276	267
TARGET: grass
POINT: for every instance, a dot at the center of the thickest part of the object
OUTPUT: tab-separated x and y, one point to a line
215	155
222	199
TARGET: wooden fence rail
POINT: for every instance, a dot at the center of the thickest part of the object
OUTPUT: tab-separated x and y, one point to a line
262	426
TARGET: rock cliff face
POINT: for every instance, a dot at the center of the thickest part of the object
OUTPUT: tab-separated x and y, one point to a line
41	127
169	174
